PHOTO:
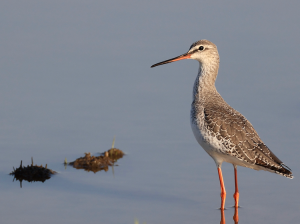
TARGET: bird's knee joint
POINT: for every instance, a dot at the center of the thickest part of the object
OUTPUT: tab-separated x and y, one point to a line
223	194
236	195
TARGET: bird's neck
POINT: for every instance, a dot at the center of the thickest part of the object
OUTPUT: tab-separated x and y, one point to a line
205	82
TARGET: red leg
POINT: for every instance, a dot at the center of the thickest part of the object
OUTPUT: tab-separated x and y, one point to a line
236	215
223	191
223	221
236	194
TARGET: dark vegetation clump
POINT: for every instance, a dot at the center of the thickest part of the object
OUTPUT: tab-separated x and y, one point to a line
98	163
32	173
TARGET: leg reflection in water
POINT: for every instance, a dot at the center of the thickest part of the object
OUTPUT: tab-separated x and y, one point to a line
223	221
235	216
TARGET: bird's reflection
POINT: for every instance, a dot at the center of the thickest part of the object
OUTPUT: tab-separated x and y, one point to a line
235	216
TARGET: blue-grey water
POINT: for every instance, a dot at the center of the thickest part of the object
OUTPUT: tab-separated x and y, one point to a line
74	74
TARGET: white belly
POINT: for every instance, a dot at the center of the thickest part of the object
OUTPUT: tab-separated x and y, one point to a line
214	147
209	143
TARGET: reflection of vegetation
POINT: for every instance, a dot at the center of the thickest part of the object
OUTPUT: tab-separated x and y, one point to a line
98	163
32	173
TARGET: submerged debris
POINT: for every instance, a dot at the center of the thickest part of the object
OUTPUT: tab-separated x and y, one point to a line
97	163
32	173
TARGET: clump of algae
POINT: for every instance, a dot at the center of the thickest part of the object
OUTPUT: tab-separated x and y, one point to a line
98	163
32	173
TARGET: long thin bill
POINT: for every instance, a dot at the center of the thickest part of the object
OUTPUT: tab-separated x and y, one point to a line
181	57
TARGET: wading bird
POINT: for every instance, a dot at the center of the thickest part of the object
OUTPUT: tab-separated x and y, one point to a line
224	133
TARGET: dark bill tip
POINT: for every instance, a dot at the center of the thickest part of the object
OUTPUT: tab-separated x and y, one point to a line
181	57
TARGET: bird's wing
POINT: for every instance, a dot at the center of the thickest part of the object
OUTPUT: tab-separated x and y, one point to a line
240	138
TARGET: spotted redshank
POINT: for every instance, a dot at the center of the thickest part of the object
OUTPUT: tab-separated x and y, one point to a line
224	133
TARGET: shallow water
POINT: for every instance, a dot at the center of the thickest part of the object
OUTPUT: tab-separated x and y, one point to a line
158	183
75	75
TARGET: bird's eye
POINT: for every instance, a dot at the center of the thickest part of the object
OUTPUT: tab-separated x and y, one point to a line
201	48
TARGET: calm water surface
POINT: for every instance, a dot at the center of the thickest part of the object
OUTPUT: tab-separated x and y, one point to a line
158	182
75	74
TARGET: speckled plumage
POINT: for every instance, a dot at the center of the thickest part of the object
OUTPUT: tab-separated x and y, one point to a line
224	133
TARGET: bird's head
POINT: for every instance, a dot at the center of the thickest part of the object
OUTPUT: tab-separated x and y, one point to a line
203	51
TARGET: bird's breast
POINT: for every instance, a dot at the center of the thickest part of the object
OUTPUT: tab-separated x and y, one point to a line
204	137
